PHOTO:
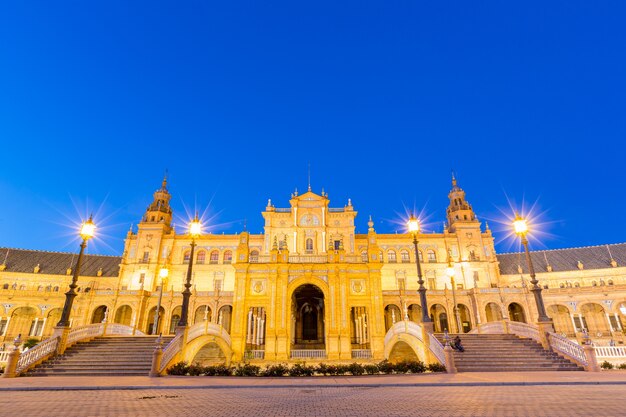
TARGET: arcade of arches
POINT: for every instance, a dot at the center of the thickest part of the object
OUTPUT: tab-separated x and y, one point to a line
311	282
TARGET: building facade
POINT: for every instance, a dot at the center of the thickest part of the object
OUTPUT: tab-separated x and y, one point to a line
310	283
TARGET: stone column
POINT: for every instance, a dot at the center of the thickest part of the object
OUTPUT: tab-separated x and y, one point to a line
13	359
449	355
156	359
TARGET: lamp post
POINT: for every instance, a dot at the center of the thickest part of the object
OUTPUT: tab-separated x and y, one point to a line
87	231
455	309
521	229
195	230
163	274
414	228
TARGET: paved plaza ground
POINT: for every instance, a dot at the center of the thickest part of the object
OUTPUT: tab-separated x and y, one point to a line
476	394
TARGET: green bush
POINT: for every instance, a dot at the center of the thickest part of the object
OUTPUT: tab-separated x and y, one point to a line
247	370
622	366
279	369
371	369
180	368
606	365
218	370
356	369
386	367
323	369
195	370
30	342
301	369
436	367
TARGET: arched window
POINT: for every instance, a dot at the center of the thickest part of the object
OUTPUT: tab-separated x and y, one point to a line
561	285
87	289
22	287
186	256
594	283
40	288
228	257
391	256
610	282
201	257
309	246
5	287
254	256
404	256
432	257
215	256
577	284
364	256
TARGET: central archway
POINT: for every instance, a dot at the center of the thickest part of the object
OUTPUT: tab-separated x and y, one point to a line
307	310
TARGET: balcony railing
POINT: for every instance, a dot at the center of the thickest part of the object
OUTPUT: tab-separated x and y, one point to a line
308	354
361	354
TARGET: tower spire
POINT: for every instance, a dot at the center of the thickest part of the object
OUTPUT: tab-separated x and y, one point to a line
164	183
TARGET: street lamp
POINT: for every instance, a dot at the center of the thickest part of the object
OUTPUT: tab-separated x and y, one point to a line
414	228
87	231
521	229
450	273
163	274
195	230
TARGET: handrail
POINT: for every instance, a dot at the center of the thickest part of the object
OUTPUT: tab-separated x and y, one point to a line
36	354
491	327
524	330
171	350
601	351
437	349
117	328
515	327
205	327
566	347
84	332
404	326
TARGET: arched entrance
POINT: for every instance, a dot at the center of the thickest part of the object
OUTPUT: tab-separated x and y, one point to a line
594	320
307	310
415	313
98	314
561	319
209	354
223	317
175	318
465	318
493	312
203	313
392	316
150	321
124	315
21	322
54	316
439	316
401	351
516	313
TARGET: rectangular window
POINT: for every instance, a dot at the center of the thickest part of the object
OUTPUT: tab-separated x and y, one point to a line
401	284
3	326
337	244
432	283
142	277
146	257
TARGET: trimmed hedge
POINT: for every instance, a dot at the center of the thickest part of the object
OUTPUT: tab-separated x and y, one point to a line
302	369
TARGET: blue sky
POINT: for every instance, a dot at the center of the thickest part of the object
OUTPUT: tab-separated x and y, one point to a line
525	101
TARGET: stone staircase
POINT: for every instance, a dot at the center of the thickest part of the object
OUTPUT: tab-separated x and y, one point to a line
103	356
506	353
